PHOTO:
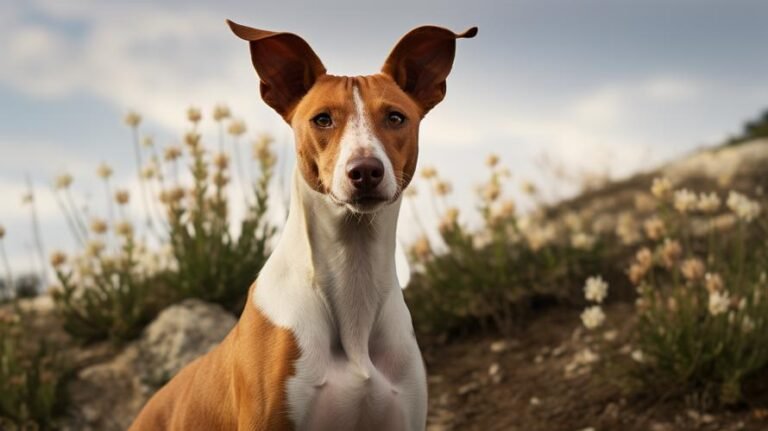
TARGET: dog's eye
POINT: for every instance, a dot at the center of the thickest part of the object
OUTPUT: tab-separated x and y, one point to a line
323	121
395	118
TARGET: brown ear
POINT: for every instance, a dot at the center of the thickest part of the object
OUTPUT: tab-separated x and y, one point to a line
421	61
285	63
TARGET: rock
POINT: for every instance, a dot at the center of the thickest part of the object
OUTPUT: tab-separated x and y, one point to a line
107	396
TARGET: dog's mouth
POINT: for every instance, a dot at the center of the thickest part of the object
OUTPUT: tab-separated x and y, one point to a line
362	202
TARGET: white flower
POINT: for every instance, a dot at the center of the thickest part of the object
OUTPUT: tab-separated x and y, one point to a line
708	203
593	317
595	289
638	356
744	208
718	302
661	187
685	200
586	357
582	241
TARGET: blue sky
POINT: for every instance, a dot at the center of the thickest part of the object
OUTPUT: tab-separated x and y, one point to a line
610	86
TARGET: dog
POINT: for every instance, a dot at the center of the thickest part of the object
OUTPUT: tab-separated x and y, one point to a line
325	341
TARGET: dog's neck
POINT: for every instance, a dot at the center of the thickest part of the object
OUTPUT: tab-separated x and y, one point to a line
348	258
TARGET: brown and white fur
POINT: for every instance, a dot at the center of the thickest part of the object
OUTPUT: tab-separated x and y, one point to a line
325	341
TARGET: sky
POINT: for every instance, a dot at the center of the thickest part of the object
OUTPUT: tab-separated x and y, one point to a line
594	87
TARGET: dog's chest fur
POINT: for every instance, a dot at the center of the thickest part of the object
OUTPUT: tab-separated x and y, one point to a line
332	282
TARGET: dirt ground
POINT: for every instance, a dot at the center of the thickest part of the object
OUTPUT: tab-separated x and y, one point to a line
532	382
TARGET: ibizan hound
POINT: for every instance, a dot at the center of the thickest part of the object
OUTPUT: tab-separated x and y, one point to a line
325	341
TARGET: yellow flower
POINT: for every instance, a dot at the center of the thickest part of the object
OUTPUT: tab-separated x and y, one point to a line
104	171
58	258
194	115
443	188
492	160
124	229
122	197
428	173
236	127
132	119
172	153
63	181
98	226
94	248
421	248
221	112
528	188
192	139
221	161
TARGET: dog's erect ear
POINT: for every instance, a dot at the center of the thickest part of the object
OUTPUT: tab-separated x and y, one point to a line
285	63
422	60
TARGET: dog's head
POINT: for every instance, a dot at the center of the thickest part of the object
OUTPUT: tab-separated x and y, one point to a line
356	137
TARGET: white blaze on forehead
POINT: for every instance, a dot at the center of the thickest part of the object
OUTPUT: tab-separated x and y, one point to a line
360	140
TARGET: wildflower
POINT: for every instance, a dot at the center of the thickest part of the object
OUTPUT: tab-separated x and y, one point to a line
220	179
147	142
443	188
708	203
221	112
538	237
692	269
685	201
718	302
236	127
670	252
58	258
636	273
221	161
149	171
654	228
595	289
124	229
192	139
262	147
104	171
98	226
94	248
744	208
132	119
592	317
582	241
491	191
638	356
528	188
194	115
63	181
421	248
428	173
27	198
644	257
492	160
450	218
585	357
507	209
747	325
172	153
410	192
627	229
661	187
122	197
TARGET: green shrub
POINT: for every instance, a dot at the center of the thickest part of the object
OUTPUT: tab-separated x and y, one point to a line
491	276
128	272
32	378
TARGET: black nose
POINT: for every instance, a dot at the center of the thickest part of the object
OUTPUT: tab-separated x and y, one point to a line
365	173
